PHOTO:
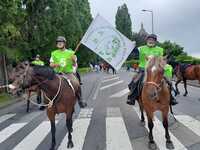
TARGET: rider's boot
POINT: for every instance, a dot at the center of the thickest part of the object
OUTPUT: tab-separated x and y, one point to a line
81	103
131	99
173	101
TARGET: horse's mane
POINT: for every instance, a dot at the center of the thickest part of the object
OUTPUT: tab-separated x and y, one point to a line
44	71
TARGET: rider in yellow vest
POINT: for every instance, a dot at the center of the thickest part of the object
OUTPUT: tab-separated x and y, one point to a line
37	61
150	49
62	60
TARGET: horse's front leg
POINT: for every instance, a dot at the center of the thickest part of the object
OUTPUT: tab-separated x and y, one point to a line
51	115
185	86
169	143
142	112
69	124
176	85
28	101
152	144
53	132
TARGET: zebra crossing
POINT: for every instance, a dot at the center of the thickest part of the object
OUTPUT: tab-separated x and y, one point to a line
115	128
117	136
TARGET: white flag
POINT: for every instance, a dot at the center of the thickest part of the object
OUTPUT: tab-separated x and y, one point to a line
102	38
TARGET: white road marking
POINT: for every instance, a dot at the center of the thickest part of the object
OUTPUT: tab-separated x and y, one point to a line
32	140
107	80
110	85
159	134
11	129
120	93
190	123
116	134
109	77
80	128
7	132
6	117
97	91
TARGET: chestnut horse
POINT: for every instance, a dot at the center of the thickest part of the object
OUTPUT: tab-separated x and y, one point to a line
155	96
59	93
191	72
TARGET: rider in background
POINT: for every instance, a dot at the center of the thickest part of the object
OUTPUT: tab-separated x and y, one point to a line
150	49
38	62
62	60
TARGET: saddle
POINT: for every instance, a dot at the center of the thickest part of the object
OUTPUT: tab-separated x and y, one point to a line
183	67
72	80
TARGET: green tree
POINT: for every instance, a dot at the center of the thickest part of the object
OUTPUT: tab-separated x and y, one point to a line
172	48
123	21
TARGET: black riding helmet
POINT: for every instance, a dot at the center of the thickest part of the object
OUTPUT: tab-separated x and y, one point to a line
61	39
153	36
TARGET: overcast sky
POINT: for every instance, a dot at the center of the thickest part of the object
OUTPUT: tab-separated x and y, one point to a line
175	20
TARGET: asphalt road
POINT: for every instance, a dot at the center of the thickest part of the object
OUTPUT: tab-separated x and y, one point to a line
108	123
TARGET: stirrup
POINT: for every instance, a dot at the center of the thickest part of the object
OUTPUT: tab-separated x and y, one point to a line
82	104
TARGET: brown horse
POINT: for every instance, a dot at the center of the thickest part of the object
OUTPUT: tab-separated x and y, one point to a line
191	72
155	97
60	94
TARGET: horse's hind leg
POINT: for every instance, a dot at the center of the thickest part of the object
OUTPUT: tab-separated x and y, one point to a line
185	86
152	144
176	85
69	124
169	143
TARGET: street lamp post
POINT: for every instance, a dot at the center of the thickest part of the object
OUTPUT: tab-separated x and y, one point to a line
151	11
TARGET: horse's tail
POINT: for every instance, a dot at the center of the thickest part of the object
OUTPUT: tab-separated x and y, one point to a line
171	111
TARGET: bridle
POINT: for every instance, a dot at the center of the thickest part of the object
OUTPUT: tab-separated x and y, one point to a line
157	85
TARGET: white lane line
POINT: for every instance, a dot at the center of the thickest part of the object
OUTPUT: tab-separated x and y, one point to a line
159	134
80	127
7	132
110	85
116	134
120	93
190	123
32	140
97	91
107	80
109	77
6	117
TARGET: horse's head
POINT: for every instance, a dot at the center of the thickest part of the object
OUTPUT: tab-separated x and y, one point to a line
27	75
21	75
154	75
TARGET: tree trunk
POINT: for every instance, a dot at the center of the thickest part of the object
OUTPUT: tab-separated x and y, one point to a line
2	70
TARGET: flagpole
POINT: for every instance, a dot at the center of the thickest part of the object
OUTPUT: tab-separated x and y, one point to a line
77	47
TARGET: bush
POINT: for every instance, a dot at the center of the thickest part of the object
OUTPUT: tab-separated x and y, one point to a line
84	70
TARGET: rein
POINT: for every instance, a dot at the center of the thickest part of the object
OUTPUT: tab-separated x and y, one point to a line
51	101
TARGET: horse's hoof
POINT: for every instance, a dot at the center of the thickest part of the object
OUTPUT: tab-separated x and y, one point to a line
169	145
70	144
185	95
152	146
